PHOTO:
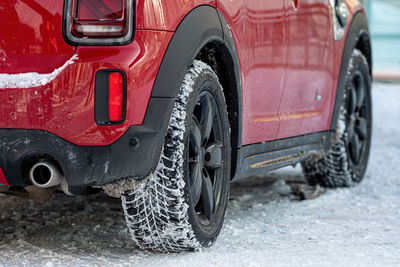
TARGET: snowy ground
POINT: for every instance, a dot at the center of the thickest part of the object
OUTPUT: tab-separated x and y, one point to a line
264	225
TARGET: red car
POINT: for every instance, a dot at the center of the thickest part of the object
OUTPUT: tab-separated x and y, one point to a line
164	103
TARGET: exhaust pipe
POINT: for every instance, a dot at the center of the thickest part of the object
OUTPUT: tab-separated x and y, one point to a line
44	174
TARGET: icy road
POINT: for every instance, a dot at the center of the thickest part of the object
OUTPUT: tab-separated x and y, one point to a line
264	225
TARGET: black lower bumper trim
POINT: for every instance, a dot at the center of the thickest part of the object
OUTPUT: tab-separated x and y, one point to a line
135	154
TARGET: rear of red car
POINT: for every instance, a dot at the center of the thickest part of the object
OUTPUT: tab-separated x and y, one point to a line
64	72
164	103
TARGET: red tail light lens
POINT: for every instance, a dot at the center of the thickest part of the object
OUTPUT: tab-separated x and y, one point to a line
99	9
115	96
98	22
99	18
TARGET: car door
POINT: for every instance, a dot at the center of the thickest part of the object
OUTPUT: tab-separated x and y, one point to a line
258	28
308	92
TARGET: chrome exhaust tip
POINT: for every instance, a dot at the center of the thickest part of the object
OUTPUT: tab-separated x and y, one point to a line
44	175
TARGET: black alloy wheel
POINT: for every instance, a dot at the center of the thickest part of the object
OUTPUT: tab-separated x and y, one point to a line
205	163
182	205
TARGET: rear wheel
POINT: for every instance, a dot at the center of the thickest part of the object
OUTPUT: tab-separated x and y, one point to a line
182	205
346	162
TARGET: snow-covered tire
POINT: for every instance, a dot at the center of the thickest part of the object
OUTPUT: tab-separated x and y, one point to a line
346	162
162	213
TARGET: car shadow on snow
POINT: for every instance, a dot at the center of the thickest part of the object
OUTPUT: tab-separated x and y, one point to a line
265	189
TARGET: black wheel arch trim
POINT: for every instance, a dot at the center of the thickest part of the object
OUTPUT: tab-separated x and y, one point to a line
236	108
203	25
358	30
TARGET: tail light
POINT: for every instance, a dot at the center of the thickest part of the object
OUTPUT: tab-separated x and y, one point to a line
98	22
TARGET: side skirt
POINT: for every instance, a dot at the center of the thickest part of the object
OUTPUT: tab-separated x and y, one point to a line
267	156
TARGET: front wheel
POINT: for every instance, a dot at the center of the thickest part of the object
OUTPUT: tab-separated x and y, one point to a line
182	205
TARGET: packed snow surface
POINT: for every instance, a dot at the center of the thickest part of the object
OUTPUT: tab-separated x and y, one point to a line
265	224
32	79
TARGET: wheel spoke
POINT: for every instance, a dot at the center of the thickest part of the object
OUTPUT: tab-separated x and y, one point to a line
196	180
195	168
207	118
361	129
360	93
207	195
350	131
355	149
213	155
195	135
353	100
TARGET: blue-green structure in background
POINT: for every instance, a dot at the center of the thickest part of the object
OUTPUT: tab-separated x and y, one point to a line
384	18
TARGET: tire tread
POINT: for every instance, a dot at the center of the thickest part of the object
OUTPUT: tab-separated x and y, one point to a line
156	211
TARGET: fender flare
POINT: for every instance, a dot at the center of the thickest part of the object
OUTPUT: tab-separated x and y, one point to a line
358	29
199	27
203	25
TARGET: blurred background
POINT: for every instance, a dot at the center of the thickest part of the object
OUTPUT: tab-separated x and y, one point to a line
384	19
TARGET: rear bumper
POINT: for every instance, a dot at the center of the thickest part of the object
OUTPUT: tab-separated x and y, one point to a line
135	154
56	119
63	102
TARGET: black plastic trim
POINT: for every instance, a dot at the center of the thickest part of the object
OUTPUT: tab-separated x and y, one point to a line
198	28
236	107
279	153
203	25
101	97
135	154
358	28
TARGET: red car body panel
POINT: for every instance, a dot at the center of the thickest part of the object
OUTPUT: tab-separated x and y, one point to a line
165	15
65	106
31	33
285	71
259	31
309	69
